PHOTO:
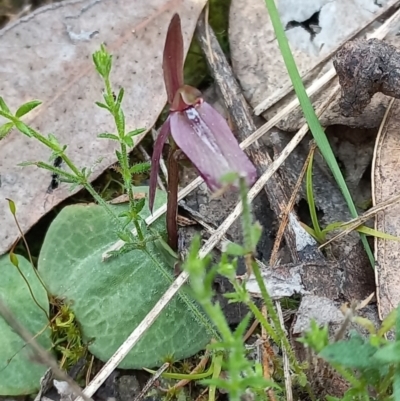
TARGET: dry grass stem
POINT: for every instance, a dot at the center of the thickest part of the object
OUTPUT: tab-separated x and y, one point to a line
286	364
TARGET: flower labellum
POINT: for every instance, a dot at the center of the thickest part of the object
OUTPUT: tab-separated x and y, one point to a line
196	127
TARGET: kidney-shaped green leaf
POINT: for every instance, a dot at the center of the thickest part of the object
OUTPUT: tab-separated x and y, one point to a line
111	298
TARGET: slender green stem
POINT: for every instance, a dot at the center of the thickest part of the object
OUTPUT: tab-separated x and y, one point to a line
80	178
124	158
139	230
30	256
246	218
102	203
30	289
276	332
264	322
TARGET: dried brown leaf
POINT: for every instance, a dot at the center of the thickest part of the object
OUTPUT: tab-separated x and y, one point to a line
47	56
386	183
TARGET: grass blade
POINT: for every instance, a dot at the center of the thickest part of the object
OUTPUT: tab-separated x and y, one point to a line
309	113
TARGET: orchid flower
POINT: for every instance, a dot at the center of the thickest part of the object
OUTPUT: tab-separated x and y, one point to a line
196	128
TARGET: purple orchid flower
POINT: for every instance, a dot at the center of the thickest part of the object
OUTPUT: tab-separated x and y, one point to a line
200	132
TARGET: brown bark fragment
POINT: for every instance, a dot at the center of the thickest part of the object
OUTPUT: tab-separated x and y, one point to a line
365	67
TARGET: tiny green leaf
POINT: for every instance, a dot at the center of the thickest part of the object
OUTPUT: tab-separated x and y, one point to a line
27	107
235	249
140	168
103	106
124	237
136	132
102	61
23	128
53	139
26	164
128	141
74	185
330	398
120	96
227	269
109	101
354	353
309	230
379	234
316	337
5	129
334	226
140	204
120	120
390	353
14	259
256	231
366	323
388	322
106	135
86	172
11	206
3	106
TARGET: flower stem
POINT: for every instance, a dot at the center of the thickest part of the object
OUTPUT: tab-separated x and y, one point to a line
172	202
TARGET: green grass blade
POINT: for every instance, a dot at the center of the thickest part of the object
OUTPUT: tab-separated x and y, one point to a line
309	113
376	233
310	200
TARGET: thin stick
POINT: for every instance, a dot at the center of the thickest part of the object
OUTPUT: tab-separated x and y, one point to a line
286	364
251	330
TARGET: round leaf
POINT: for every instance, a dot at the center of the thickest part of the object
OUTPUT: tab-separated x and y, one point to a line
111	298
